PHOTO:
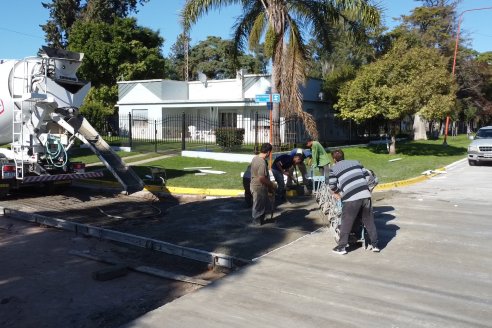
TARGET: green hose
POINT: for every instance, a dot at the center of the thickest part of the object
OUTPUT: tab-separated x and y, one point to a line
59	152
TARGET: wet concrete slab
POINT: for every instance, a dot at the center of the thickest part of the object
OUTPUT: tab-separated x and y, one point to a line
224	226
220	225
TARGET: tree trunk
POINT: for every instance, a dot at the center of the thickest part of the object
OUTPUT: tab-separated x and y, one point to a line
275	111
277	21
392	146
419	132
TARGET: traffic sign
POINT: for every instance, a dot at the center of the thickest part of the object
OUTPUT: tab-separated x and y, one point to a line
262	98
276	97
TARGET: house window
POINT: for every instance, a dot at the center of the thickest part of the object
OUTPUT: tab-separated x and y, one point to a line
228	120
139	118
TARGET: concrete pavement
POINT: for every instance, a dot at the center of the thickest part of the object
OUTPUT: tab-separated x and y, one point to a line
434	269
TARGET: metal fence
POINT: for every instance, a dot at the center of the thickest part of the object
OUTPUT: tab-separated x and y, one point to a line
198	132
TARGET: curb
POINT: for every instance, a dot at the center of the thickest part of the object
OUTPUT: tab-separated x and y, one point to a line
195	191
407	182
240	192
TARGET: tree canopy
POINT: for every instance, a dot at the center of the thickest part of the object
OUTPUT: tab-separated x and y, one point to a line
113	52
119	51
64	13
213	57
405	81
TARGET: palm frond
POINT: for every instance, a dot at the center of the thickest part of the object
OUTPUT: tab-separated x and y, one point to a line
293	76
245	24
257	31
194	9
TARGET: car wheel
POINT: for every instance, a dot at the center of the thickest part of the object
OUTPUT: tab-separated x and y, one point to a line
472	163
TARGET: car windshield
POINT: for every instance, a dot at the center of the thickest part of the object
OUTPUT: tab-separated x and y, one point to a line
484	134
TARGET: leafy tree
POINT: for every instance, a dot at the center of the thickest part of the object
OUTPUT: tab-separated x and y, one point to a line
406	81
281	24
99	105
119	51
485	57
64	13
214	57
108	10
474	76
433	23
178	56
347	55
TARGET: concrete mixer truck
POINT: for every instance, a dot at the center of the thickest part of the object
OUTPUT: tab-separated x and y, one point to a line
40	99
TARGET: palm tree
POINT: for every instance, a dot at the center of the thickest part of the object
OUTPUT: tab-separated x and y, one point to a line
282	24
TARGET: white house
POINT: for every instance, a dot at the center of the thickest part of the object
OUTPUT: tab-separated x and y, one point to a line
230	103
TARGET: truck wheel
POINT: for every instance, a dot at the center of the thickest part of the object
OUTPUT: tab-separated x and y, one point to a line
472	163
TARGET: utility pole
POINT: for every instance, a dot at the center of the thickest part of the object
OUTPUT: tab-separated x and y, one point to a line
186	49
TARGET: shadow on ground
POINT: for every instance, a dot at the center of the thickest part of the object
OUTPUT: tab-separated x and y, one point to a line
386	230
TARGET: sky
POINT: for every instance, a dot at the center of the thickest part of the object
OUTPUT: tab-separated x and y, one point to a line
21	35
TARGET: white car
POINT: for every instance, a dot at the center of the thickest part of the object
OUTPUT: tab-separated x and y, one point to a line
480	150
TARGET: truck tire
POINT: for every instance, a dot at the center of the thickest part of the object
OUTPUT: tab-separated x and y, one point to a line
472	163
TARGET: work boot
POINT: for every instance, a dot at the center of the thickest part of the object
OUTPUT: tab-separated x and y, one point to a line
375	248
258	221
340	250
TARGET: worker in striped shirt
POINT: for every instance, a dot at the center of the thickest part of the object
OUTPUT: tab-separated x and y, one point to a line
347	180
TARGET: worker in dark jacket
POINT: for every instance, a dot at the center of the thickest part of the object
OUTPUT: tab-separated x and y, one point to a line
306	153
347	180
280	167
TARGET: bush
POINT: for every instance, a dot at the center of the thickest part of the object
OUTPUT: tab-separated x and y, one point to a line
97	115
229	138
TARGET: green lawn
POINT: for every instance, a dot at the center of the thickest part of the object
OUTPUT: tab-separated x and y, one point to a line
413	158
179	177
85	155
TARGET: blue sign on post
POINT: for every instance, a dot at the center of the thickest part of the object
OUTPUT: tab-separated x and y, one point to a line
263	98
276	97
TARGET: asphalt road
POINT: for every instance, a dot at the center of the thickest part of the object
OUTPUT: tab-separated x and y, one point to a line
434	270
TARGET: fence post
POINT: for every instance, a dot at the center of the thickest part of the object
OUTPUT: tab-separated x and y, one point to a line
155	136
130	123
256	133
183	131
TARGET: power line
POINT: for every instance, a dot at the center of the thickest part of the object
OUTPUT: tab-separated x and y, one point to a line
21	33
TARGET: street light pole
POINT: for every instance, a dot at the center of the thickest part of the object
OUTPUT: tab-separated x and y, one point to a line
460	18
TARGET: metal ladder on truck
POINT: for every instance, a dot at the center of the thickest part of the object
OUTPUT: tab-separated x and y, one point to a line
18	138
17	145
22	102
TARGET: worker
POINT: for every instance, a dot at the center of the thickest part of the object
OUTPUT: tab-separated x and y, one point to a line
281	166
320	158
306	153
248	197
348	182
261	185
